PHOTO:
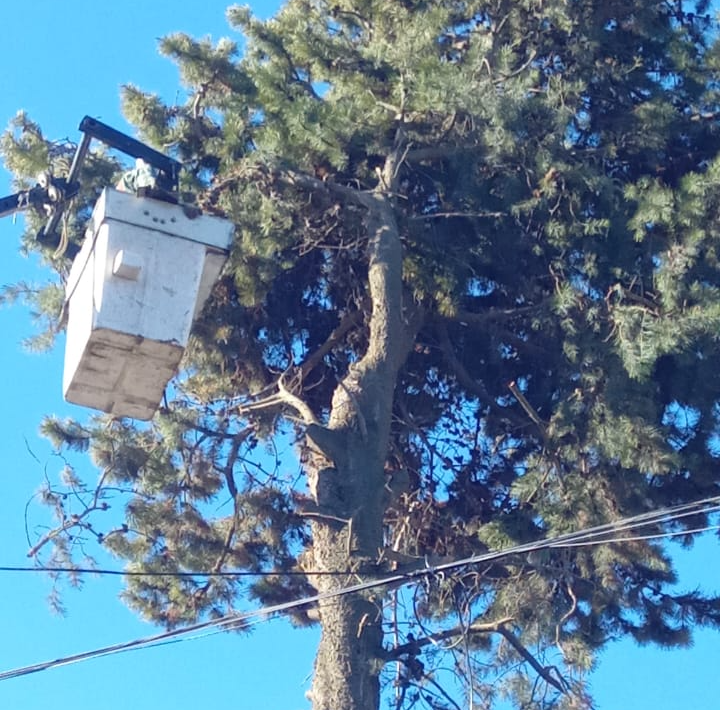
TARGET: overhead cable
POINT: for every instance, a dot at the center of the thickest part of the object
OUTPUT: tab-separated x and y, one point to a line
597	535
100	571
573	539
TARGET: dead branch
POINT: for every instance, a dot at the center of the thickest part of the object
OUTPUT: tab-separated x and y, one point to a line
519	70
414	647
75	520
566	616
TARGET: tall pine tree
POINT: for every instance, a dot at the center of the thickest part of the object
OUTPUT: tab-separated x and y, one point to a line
476	281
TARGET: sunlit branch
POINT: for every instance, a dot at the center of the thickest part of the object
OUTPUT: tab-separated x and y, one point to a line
75	520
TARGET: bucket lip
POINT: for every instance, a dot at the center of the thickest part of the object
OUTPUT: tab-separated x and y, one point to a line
163	218
123	207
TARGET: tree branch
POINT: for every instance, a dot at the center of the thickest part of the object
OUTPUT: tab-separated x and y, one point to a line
542	671
349	320
296	402
295	178
493	314
286	176
529	409
462	375
75	519
413	648
448	215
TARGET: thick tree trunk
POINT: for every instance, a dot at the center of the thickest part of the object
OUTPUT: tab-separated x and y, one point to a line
347	662
349	491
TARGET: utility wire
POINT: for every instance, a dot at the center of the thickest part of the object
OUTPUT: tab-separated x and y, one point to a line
136	573
707	505
586	537
635	538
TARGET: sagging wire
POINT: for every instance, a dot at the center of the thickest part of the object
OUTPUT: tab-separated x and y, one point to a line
622	525
585	537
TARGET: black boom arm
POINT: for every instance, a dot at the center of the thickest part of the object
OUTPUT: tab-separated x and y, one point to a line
51	194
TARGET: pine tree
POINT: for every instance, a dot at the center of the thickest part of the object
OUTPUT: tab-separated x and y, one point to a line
476	282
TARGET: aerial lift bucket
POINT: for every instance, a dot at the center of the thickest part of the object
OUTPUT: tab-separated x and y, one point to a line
138	283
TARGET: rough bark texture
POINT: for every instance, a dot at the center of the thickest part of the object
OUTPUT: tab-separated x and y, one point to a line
349	489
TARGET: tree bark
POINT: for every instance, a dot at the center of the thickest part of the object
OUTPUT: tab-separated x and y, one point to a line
347	482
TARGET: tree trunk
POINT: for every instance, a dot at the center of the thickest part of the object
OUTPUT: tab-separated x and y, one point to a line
347	662
349	490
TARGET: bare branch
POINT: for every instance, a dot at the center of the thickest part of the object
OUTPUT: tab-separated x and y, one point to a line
566	616
75	520
349	320
529	409
492	314
462	375
289	397
295	178
228	471
542	671
416	645
519	70
284	396
448	215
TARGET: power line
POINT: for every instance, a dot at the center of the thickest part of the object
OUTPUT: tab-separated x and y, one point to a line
586	537
666	515
155	573
634	538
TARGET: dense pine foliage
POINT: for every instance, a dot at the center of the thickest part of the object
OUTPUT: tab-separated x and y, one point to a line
545	175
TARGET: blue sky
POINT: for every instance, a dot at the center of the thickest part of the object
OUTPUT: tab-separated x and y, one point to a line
60	61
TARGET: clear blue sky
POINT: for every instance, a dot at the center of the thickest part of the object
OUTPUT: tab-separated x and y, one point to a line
60	61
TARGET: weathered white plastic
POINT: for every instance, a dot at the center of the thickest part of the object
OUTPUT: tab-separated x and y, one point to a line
140	279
